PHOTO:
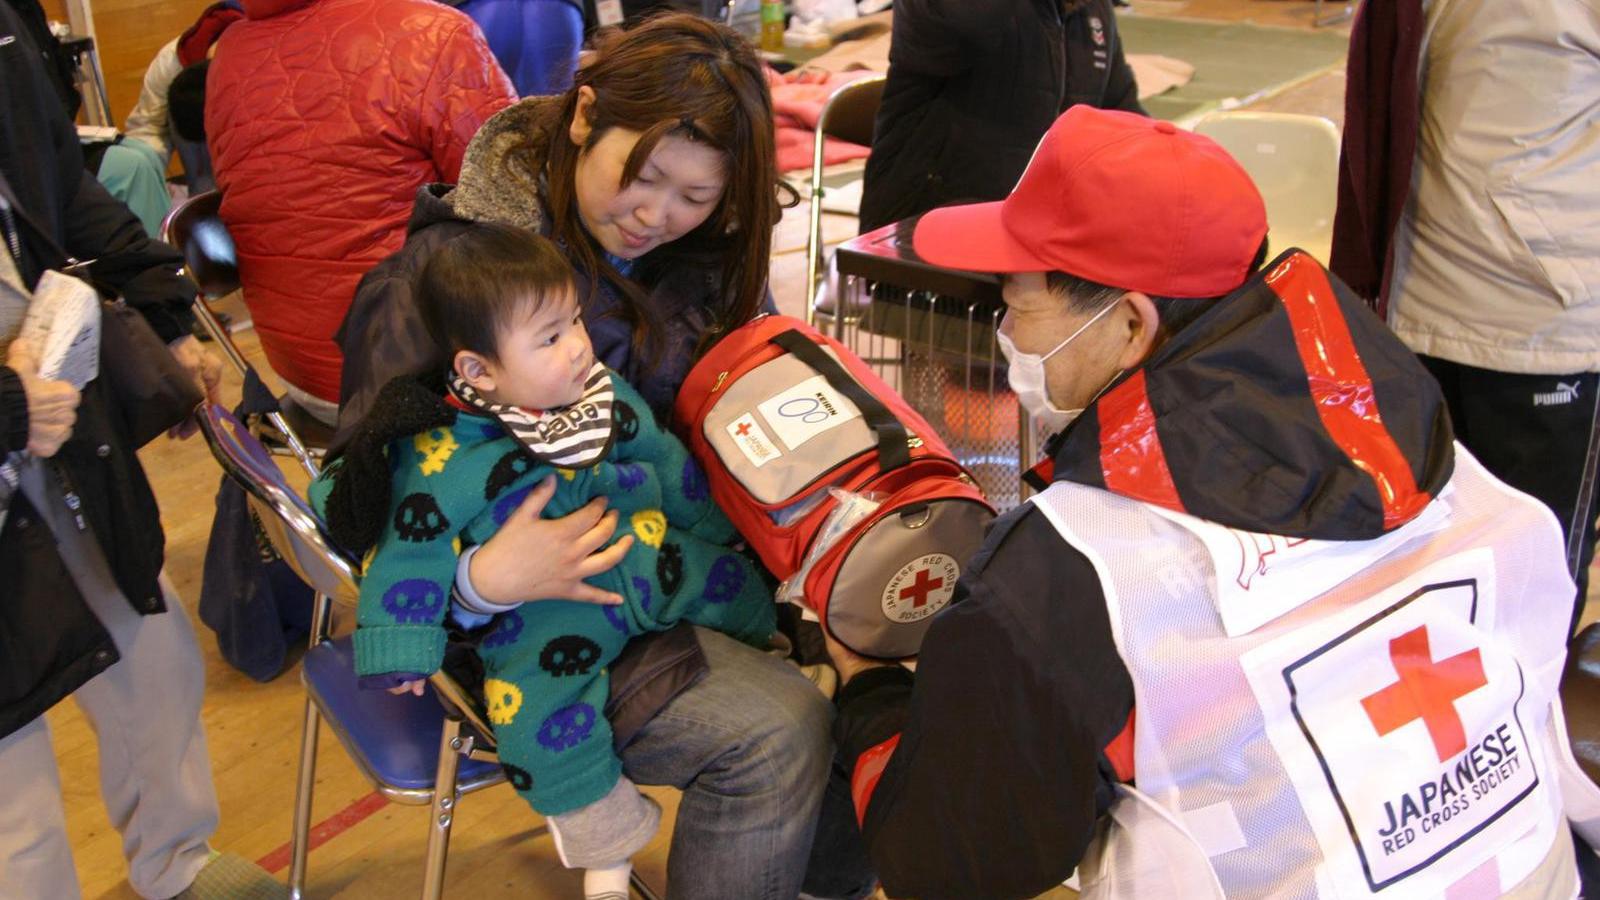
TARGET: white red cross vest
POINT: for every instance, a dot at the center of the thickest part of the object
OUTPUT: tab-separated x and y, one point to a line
1338	719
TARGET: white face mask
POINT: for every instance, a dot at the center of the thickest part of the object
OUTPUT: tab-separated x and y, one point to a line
1027	377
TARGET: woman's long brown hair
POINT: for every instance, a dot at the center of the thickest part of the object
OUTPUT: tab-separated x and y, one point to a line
688	77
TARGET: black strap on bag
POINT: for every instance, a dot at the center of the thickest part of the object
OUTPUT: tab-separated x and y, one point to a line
894	450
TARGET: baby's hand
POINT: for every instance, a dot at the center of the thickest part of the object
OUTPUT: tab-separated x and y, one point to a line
414	687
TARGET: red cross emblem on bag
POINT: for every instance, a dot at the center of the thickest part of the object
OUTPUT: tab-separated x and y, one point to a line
920	588
918	592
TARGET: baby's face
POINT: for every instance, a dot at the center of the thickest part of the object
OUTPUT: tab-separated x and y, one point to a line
544	357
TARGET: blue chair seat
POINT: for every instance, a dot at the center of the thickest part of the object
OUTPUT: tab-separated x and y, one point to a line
394	738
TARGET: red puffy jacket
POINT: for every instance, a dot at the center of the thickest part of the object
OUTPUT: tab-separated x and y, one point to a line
323	118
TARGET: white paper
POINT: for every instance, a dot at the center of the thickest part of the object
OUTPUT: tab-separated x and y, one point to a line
806	410
63	324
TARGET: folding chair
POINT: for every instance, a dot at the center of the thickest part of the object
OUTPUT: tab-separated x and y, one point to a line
848	115
1294	161
91	79
196	228
407	746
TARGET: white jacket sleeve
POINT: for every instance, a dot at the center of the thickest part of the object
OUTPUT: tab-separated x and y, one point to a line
147	122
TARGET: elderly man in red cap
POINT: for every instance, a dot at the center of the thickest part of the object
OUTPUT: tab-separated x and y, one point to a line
1266	630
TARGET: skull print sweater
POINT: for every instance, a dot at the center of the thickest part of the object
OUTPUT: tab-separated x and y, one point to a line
452	485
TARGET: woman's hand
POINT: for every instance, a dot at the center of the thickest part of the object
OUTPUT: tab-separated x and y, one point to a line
531	558
847	662
52	405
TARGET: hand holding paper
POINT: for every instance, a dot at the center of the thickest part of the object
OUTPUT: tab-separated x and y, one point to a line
63	327
52	405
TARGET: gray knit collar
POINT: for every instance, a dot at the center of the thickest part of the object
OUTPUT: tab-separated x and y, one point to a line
498	184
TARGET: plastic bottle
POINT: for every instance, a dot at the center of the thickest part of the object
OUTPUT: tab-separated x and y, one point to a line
772	15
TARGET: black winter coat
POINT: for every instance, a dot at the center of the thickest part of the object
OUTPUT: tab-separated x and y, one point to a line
50	643
973	85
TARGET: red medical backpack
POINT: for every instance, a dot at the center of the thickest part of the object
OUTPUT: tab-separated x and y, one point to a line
778	413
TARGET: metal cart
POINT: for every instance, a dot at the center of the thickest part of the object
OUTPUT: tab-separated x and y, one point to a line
929	333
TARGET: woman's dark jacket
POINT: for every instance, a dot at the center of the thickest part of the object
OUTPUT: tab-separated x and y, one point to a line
50	643
973	85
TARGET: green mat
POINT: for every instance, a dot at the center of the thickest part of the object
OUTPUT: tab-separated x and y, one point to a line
1229	59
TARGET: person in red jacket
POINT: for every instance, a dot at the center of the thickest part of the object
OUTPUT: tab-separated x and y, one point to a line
324	117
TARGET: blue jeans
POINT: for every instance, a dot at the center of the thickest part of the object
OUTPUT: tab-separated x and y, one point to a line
748	745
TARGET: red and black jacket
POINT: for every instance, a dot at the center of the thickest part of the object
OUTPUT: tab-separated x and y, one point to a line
1287	409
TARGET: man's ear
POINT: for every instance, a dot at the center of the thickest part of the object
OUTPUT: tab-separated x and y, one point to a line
474	369
579	128
1143	326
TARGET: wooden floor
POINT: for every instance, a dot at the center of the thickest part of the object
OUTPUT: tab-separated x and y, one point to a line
373	849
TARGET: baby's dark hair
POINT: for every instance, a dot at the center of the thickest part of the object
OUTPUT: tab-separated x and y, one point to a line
481	279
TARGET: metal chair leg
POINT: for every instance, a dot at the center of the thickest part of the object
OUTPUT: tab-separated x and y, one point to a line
1320	21
224	340
300	842
443	811
642	889
219	334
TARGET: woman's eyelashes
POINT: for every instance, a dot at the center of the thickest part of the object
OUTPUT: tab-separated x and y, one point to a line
653	180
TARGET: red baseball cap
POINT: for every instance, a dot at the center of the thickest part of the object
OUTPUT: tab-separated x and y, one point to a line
1116	198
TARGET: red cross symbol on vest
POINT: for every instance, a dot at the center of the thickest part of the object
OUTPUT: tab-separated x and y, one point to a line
921	588
743	429
1427	690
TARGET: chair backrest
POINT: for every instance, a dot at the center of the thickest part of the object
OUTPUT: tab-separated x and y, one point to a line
1294	161
293	528
848	115
195	227
852	109
301	538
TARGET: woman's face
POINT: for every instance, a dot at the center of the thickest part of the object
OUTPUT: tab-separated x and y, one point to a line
676	190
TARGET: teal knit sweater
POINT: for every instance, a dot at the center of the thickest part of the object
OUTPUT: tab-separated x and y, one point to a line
454	487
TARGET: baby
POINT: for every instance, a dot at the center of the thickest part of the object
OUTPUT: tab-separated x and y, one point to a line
426	479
